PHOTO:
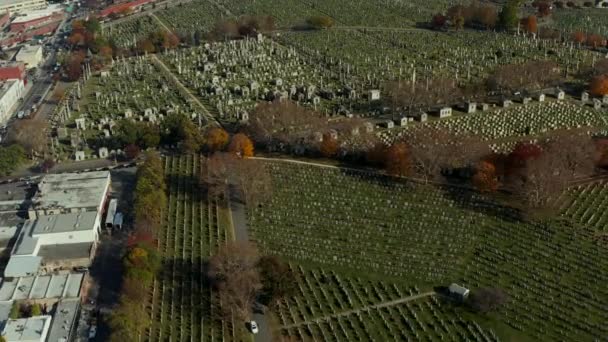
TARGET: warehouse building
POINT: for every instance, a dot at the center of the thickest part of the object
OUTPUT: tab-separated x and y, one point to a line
52	242
70	193
33	19
33	329
18	6
30	55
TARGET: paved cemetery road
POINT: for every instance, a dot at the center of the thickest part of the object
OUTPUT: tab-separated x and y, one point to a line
160	22
365	308
239	222
210	119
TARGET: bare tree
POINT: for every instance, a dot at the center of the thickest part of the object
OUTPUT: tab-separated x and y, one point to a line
233	271
529	76
487	299
423	94
433	150
224	172
31	134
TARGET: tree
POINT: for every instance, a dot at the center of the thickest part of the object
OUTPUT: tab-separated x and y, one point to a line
579	37
278	280
76	38
145	46
233	271
508	16
485	179
398	160
92	25
528	76
15	312
521	153
35	310
599	85
329	146
73	68
241	145
11	157
31	135
530	24
132	151
217	139
170	40
128	320
487	299
106	52
595	41
377	154
438	21
320	22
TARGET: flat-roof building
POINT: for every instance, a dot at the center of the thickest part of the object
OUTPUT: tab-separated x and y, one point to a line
36	18
54	240
65	319
33	329
30	55
71	192
46	289
10	93
15	6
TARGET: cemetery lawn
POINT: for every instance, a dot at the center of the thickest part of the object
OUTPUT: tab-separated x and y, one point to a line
360	230
183	306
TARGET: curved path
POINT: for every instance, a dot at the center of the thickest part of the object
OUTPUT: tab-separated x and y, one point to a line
364	308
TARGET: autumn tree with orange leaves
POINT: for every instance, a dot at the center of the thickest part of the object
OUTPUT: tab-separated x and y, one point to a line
485	179
329	146
241	145
599	85
217	139
398	160
530	24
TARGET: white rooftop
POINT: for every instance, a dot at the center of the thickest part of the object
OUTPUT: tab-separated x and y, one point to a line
33	329
21	266
53	286
61	223
72	190
35	14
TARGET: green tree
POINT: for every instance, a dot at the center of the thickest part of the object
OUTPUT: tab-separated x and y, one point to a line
35	310
11	157
278	280
320	22
508	16
15	311
92	25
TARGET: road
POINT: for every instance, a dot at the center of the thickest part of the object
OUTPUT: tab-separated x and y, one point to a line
364	308
239	222
210	118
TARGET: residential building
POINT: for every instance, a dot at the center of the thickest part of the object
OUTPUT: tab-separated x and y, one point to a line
10	93
33	329
31	55
18	6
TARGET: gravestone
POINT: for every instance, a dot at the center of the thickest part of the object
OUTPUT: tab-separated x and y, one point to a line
597	104
484	107
317	136
584	96
402	121
103	152
471	107
526	100
106	133
354	131
105	74
81	123
369	127
79	155
605	99
128	113
374	95
541	97
62	132
560	95
506	103
388	124
445	112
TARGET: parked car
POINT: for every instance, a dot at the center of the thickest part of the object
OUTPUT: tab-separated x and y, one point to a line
254	327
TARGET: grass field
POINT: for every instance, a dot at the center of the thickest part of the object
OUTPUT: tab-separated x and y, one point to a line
373	227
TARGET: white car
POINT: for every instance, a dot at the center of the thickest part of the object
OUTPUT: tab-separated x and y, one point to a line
254	327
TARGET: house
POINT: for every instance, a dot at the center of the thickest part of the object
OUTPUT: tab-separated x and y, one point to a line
458	292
